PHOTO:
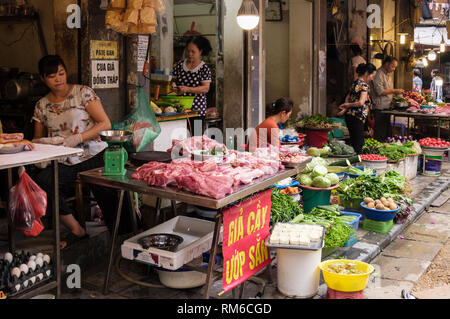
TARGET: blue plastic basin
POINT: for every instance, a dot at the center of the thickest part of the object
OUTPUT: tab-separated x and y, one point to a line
379	215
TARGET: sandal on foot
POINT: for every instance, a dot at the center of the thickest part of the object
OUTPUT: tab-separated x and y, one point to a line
70	239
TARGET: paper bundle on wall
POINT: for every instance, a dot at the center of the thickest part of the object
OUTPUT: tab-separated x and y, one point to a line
134	16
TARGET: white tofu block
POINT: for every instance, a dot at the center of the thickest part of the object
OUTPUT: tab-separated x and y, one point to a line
274	239
304	240
284	240
295	241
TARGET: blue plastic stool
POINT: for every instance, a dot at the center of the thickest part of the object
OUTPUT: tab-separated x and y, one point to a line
401	125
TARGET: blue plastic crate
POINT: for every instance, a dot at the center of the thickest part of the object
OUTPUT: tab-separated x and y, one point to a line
354	224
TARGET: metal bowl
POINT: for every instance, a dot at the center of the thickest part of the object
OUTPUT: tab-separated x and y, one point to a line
168	242
115	136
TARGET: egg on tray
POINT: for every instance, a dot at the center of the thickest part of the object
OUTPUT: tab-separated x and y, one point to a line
31	265
39	261
15	272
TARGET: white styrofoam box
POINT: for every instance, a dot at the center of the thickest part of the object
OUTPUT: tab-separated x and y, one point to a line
411	163
197	238
169	130
380	166
398	167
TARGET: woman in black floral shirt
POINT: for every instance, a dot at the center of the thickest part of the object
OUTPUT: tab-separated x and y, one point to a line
192	77
357	105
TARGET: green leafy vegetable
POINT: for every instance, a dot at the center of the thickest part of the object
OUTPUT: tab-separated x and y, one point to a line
284	208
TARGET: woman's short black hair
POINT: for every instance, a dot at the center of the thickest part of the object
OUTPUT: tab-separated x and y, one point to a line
363	68
417	72
282	104
356	49
202	44
49	64
435	71
389	59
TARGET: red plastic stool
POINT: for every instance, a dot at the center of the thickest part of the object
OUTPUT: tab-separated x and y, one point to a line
334	294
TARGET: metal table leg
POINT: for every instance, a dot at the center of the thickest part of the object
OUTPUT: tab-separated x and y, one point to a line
439	127
113	243
407	131
174	207
158	210
11	240
133	212
212	256
57	247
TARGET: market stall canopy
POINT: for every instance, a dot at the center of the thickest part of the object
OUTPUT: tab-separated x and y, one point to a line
430	36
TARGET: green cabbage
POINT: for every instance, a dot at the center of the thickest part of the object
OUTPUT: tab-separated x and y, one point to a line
314	162
305	180
321	182
333	178
319	170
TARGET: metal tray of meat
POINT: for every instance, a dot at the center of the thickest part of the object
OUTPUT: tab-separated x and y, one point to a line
312	246
12	150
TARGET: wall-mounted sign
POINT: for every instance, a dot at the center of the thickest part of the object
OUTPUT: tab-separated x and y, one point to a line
104	50
142	51
105	74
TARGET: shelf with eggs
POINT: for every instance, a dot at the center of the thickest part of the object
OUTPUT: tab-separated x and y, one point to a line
22	272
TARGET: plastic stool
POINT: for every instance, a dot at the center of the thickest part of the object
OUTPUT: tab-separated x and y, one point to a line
334	294
401	125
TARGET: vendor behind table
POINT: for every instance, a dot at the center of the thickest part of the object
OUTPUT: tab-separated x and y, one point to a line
192	77
383	89
268	131
72	116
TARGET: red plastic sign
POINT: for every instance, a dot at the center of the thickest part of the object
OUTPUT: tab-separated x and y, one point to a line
245	229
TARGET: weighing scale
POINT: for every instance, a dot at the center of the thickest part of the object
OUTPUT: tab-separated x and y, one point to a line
115	155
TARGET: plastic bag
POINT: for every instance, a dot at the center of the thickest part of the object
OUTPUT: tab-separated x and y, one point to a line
141	122
27	204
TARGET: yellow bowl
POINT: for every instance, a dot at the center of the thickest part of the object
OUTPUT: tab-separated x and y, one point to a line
346	283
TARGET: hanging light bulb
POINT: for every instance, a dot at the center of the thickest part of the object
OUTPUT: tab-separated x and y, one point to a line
403	38
432	55
442	47
248	16
425	62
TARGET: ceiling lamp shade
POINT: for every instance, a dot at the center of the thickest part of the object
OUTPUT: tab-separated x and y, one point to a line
248	16
403	38
425	62
432	55
442	46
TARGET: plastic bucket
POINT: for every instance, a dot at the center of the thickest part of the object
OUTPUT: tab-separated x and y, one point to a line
432	161
411	163
380	166
317	138
298	272
346	283
314	198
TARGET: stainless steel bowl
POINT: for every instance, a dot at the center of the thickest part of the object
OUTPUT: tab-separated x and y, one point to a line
168	242
116	136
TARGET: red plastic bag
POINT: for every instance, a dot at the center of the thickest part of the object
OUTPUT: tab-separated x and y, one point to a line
20	209
27	204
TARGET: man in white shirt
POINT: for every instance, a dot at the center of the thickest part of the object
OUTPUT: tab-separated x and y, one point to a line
383	89
357	59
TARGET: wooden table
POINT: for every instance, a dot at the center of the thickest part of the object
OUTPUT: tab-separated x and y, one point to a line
41	153
408	115
126	183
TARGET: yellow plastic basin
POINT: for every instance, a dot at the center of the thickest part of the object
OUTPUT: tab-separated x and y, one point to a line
346	283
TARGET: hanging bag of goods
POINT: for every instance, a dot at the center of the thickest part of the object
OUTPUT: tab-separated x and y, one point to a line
158	5
28	203
117	4
147	16
134	4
